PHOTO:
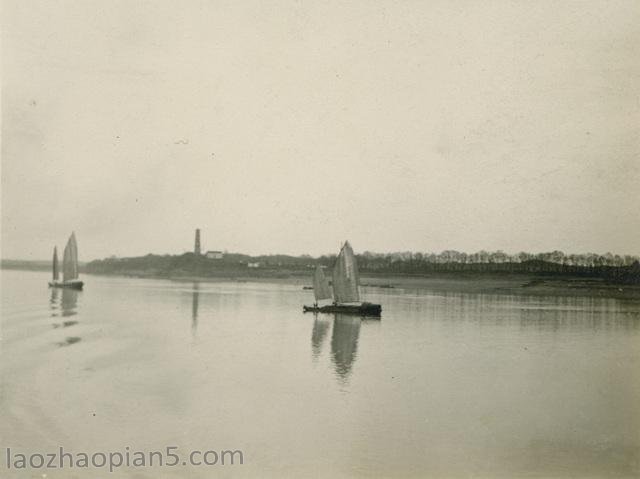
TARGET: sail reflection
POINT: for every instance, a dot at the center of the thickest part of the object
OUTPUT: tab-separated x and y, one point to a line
320	329
68	341
195	300
69	302
53	302
344	344
65	300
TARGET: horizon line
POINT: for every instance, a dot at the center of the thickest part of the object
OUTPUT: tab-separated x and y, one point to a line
424	253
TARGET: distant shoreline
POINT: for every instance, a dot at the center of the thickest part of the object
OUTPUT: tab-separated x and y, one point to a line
522	285
451	282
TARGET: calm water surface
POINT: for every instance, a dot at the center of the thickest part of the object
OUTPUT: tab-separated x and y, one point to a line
445	385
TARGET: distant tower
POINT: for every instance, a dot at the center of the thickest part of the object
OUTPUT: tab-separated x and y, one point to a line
196	249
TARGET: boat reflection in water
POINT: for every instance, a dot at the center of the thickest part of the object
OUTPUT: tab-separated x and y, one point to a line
67	305
344	341
344	344
195	300
63	303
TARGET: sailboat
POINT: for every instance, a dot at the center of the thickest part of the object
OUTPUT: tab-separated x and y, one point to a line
69	266
345	284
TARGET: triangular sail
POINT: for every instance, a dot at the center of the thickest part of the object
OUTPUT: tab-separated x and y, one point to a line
56	272
345	276
70	259
321	288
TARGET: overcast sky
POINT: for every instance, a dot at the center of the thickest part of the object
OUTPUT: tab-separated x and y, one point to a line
287	127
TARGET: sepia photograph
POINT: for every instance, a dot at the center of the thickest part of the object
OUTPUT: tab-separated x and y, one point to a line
320	239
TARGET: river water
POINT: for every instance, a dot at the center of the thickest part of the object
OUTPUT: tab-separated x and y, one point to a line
444	385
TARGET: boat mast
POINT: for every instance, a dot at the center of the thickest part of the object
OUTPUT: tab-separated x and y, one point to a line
56	273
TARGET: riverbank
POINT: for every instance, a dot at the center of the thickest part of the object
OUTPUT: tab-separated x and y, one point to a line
528	285
452	282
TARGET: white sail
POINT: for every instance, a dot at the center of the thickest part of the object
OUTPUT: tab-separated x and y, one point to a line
321	288
70	259
56	273
345	276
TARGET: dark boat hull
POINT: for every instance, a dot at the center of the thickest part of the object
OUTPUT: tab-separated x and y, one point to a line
364	309
73	284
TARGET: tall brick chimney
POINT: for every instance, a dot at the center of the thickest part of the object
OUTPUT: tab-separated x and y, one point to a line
196	248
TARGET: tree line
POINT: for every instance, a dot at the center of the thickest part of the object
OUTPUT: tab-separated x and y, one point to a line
500	257
611	266
608	266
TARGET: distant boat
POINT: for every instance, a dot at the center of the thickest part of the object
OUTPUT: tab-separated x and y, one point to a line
69	266
345	284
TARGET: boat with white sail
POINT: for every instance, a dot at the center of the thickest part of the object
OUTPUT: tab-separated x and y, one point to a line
69	266
344	289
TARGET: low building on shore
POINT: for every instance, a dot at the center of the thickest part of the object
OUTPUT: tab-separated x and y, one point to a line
214	254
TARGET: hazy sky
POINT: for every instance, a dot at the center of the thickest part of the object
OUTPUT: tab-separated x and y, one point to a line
291	126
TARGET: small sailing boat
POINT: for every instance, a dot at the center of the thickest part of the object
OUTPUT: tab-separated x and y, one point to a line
69	266
345	288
